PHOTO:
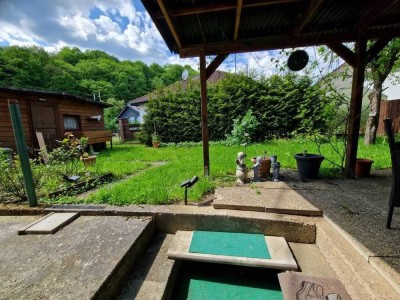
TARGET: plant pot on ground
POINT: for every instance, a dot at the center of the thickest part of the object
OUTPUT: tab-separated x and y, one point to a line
363	167
308	165
88	160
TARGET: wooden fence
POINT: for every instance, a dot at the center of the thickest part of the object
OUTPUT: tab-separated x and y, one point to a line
389	109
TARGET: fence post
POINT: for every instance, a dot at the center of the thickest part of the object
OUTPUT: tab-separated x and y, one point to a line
22	151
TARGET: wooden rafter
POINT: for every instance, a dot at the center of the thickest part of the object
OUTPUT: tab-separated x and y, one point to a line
237	19
221	6
345	53
374	11
215	64
168	19
281	42
376	48
308	16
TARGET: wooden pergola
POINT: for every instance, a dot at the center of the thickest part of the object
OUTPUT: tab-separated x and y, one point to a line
200	28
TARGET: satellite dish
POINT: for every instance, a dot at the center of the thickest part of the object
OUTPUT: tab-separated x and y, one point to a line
185	75
297	60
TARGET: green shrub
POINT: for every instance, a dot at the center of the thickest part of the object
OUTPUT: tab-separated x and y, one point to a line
12	179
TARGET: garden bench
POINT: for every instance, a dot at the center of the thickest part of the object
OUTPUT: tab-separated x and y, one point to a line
98	136
394	146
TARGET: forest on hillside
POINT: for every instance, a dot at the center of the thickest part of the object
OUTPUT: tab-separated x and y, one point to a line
83	73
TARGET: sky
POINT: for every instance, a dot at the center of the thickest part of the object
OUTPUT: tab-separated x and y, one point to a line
119	27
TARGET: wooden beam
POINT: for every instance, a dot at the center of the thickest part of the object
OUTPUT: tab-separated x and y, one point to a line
170	24
237	19
215	64
376	48
345	53
310	13
374	11
281	42
355	106
221	6
204	115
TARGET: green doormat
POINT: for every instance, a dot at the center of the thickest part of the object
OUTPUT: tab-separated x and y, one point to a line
229	244
203	289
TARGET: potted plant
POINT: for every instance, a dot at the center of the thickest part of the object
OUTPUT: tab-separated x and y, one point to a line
155	138
308	164
88	159
363	167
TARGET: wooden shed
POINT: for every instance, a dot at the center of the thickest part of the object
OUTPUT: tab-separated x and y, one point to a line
53	114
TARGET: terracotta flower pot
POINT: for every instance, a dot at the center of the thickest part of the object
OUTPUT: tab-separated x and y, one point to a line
156	144
308	165
363	167
88	161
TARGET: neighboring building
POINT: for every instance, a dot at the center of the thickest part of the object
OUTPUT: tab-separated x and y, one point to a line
135	109
343	85
51	113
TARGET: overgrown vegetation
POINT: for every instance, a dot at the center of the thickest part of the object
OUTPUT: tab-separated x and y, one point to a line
282	105
159	172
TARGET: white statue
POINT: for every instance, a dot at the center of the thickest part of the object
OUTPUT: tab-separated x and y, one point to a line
276	166
257	163
241	170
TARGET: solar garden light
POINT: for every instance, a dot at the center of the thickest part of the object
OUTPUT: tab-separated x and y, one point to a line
189	183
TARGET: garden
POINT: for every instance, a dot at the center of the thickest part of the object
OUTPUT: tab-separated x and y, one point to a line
146	175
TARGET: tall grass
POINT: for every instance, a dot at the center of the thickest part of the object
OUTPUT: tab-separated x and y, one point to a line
161	184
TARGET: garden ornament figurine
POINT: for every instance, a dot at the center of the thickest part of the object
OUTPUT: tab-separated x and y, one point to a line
275	168
256	166
241	170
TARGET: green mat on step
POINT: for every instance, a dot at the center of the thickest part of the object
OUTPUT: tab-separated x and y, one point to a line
203	289
251	245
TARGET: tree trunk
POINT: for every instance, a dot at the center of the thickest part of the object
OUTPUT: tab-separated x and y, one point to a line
374	111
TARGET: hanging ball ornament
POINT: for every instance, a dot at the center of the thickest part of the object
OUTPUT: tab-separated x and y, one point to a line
297	60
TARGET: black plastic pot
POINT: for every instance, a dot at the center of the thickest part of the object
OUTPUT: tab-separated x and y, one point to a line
308	165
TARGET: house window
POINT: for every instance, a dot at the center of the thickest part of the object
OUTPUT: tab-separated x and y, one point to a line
71	122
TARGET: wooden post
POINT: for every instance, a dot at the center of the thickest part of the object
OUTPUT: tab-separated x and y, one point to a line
22	151
355	106
204	119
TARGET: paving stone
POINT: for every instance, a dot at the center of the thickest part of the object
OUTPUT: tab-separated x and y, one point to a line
49	223
275	200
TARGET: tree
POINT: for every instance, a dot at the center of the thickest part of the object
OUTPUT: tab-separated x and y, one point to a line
386	62
110	114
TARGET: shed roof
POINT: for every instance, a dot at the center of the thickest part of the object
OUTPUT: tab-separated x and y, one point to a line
232	26
60	95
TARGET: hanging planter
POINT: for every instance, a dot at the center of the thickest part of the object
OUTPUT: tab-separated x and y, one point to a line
308	165
363	167
297	60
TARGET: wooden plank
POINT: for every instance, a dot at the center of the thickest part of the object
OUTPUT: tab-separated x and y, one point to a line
170	24
237	19
42	147
344	52
310	13
220	6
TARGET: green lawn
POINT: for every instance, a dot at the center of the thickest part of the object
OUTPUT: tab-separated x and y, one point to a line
159	184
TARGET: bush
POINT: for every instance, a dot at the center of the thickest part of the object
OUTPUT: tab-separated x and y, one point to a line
12	179
282	105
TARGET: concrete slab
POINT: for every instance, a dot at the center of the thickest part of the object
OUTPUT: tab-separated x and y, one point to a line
281	257
150	278
49	224
274	200
311	261
74	263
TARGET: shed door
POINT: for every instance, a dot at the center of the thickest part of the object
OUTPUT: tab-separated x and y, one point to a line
44	119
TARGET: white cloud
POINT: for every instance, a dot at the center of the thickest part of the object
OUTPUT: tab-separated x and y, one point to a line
53	24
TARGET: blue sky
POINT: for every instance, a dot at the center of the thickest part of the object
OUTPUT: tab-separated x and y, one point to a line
120	27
